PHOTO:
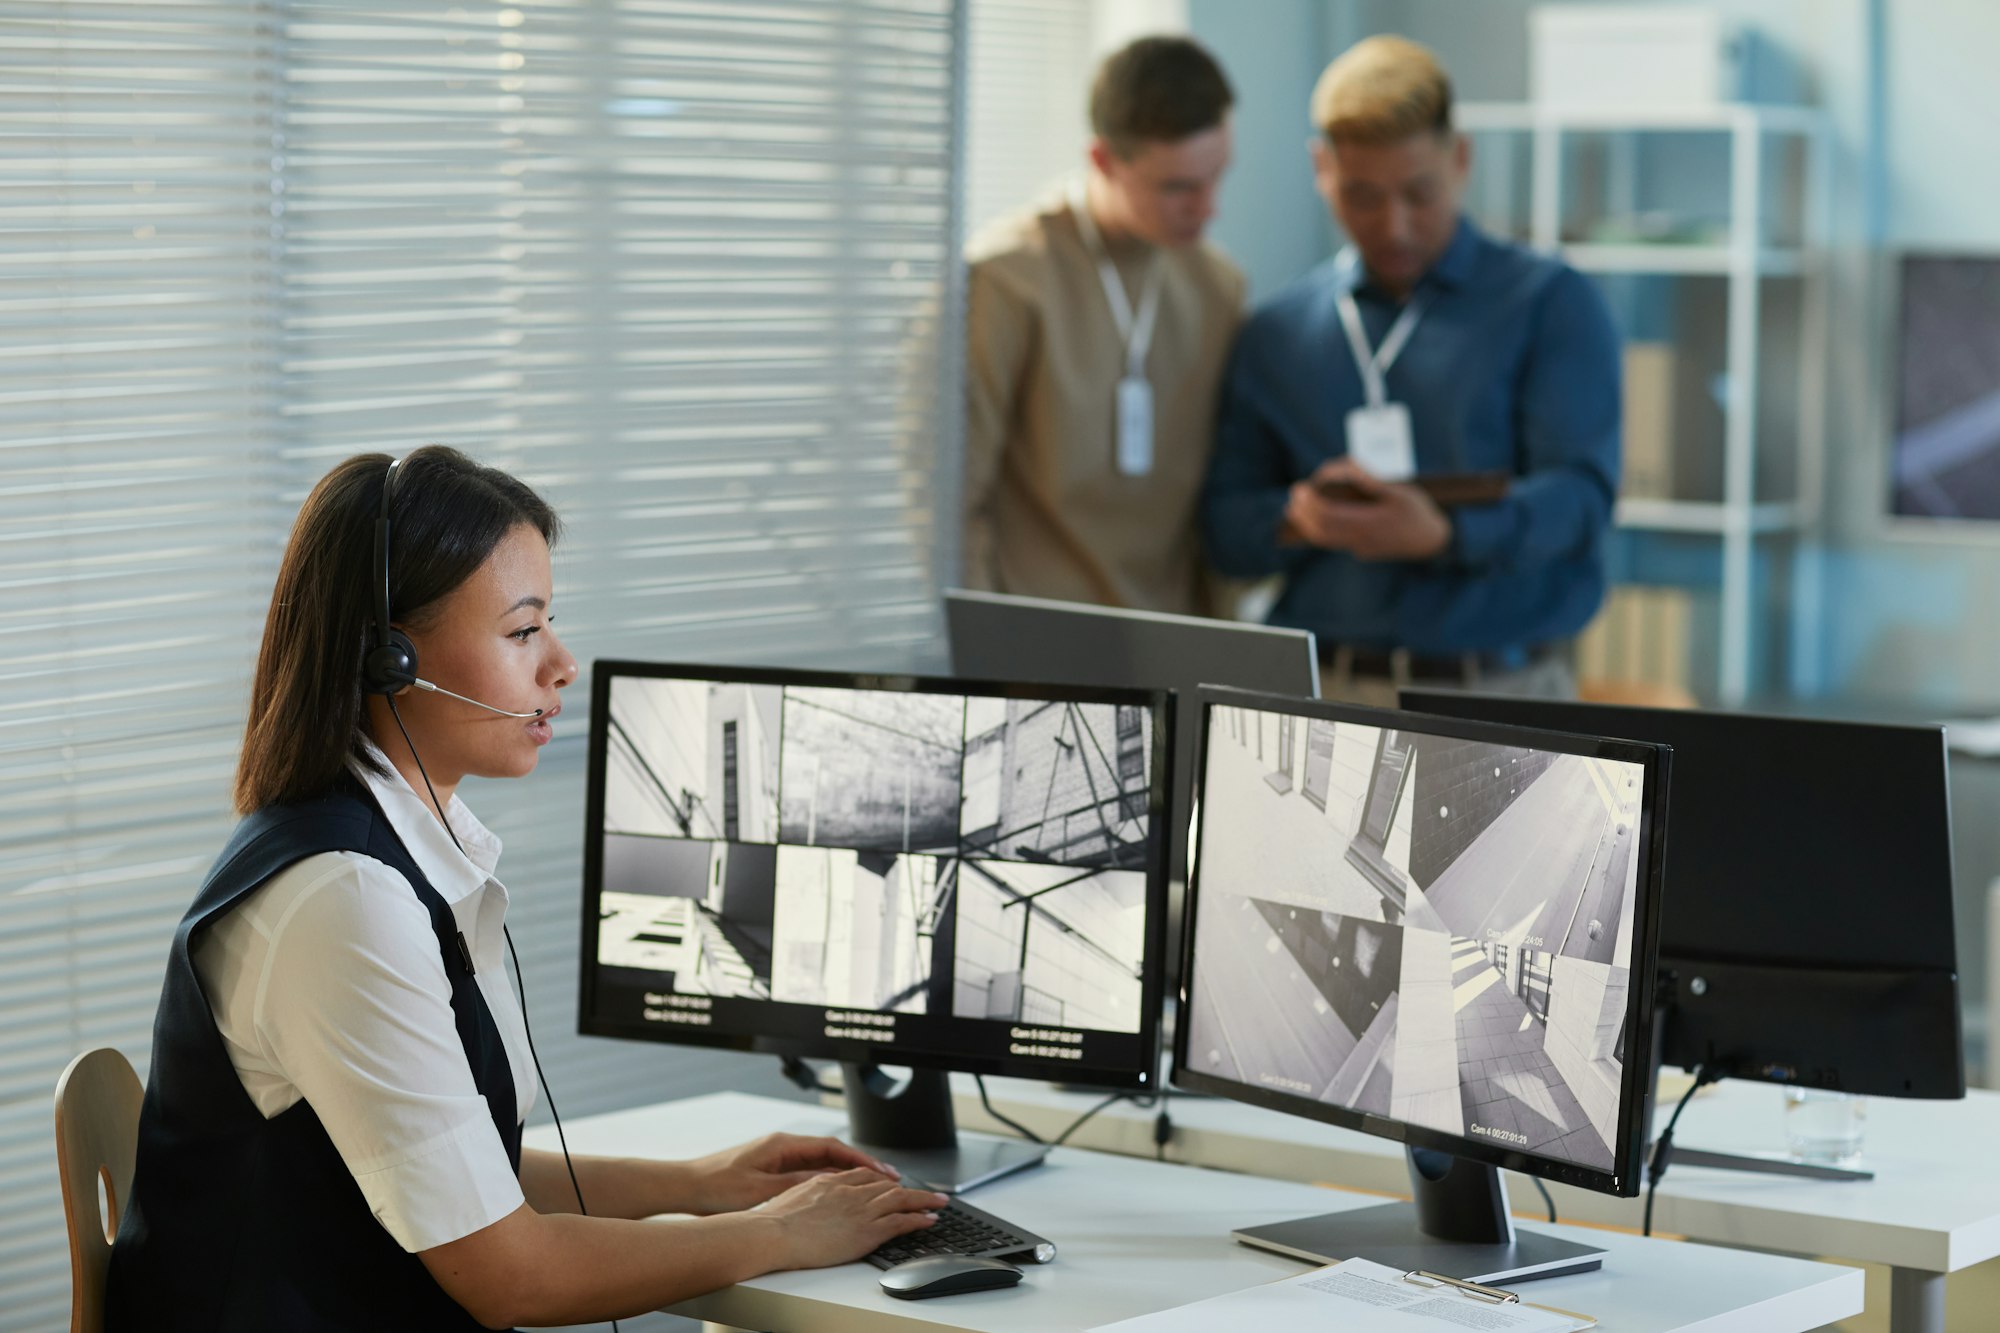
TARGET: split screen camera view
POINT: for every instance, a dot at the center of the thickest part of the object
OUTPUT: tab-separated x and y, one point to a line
1420	927
896	852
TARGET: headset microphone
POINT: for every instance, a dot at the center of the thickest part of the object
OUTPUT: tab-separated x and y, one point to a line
423	684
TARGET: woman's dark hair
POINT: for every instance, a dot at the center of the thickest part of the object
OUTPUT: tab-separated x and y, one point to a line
446	514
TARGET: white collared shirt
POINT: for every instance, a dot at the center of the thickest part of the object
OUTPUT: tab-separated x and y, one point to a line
326	984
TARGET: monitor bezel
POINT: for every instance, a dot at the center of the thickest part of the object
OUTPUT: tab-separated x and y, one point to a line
605	671
1628	1152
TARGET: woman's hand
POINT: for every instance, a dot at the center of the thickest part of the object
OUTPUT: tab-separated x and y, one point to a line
837	1218
743	1177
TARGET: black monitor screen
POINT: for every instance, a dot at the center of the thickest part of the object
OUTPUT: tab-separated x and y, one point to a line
1426	929
877	869
1808	911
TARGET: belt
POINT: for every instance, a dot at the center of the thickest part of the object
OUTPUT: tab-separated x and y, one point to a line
1401	664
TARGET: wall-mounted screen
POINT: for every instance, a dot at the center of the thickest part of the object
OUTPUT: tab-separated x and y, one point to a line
1947	448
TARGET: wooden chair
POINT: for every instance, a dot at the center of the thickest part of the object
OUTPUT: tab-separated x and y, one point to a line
97	1136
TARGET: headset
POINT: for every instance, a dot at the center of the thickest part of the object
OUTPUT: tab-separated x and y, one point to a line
389	666
391	662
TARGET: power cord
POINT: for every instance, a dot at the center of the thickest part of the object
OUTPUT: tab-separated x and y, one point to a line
1547	1198
804	1077
1077	1123
519	980
979	1081
1664	1149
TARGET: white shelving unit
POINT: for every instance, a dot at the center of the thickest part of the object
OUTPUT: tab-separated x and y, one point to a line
1745	258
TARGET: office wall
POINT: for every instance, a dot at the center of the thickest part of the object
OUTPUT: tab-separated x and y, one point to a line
1271	223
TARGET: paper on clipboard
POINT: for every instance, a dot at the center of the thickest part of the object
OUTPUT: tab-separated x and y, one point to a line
1356	1297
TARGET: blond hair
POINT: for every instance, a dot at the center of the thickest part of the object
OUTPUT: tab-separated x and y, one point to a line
1382	90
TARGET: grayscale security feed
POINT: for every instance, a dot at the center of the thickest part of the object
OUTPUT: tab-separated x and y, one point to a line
966	857
1050	945
871	769
693	759
1062	782
1430	929
701	911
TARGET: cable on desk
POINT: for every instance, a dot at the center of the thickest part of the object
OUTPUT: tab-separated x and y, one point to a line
1664	1149
1547	1198
979	1081
802	1076
1077	1123
1163	1128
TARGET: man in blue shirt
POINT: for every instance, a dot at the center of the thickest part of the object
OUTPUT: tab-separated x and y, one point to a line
1424	347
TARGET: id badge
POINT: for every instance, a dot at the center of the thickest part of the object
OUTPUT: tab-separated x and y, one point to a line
1135	427
1379	439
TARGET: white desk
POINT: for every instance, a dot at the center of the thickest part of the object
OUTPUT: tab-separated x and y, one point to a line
1933	1208
1135	1236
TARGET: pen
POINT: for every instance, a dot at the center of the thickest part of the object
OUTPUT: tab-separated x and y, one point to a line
1418	1277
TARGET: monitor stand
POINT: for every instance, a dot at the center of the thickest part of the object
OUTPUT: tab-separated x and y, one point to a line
909	1124
1457	1225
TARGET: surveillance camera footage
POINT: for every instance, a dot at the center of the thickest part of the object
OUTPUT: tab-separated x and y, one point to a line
1420	927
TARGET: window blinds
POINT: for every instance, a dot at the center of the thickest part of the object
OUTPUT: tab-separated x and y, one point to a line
687	267
1028	86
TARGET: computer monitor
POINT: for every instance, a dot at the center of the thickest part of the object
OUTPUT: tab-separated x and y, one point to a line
1807	934
884	871
996	636
1436	931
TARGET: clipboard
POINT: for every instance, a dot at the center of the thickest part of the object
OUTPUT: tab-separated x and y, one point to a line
1446	489
1419	1277
1359	1296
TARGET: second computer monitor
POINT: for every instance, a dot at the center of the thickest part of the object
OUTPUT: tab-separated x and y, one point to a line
1437	931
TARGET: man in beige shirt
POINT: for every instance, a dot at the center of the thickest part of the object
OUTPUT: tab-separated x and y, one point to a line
1098	325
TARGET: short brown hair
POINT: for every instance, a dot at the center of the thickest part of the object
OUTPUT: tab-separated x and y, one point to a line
446	514
1382	90
1157	90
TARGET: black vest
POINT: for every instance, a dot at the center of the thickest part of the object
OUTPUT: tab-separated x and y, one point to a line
236	1222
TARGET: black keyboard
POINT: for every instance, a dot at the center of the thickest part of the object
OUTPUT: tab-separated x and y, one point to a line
963	1229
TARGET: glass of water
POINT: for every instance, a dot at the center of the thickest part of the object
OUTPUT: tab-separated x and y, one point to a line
1825	1128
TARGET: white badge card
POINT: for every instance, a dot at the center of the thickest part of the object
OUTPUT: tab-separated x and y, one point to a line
1135	427
1379	439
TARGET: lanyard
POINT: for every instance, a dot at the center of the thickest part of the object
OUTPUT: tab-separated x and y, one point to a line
1374	367
1137	332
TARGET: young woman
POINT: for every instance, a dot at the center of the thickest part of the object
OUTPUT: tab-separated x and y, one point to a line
331	1131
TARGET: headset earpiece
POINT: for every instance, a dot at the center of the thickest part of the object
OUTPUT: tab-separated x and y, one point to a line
390	666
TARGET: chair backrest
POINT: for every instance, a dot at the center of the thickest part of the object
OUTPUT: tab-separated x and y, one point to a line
97	1136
